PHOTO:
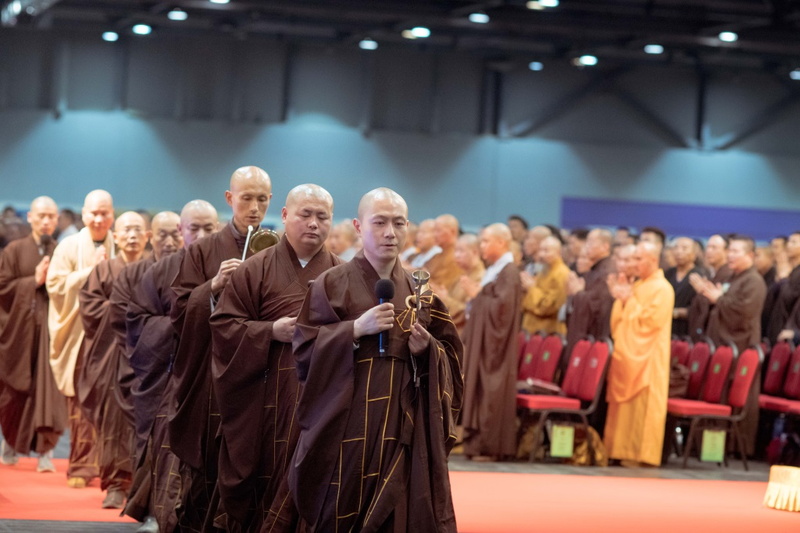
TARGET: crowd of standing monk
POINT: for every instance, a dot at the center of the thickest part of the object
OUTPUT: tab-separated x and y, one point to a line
210	386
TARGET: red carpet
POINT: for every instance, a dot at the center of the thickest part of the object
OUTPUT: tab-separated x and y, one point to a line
487	502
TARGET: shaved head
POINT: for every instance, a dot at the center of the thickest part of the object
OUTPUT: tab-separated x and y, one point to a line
499	230
131	235
129	218
249	195
43	216
648	255
43	202
250	174
382	223
309	191
307	218
166	235
198	219
98	214
495	241
98	196
446	231
380	194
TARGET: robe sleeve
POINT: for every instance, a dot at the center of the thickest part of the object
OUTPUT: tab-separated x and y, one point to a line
17	307
191	289
94	298
546	298
148	326
734	307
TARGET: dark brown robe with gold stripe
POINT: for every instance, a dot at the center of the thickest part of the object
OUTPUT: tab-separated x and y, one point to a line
33	414
372	453
255	381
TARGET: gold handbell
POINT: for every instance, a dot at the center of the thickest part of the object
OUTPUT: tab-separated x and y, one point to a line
261	239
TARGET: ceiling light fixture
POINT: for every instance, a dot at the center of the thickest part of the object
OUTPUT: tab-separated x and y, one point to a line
219	1
110	36
653	49
536	66
795	74
541	4
585	61
479	17
141	29
728	37
177	14
368	44
418	32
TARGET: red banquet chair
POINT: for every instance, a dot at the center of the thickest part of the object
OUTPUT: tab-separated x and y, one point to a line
714	408
775	372
530	357
697	362
680	350
789	403
580	389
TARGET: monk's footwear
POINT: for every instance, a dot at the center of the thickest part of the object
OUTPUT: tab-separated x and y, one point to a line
148	526
45	463
7	454
115	498
76	482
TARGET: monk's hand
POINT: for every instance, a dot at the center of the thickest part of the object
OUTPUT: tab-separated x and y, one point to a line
226	268
470	286
100	254
283	329
786	335
419	340
623	289
526	280
713	292
575	283
374	320
697	281
40	274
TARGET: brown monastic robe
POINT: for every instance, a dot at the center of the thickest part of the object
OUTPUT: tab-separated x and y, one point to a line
457	298
194	413
490	367
255	381
372	453
33	414
151	345
99	376
591	307
443	268
736	319
700	309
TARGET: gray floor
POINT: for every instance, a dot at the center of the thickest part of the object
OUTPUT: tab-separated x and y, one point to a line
672	470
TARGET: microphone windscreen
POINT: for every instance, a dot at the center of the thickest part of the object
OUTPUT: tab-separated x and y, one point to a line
384	289
45	240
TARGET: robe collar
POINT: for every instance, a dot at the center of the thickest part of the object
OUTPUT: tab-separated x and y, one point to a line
494	270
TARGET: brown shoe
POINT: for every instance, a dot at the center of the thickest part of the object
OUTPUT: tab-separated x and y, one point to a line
115	499
76	482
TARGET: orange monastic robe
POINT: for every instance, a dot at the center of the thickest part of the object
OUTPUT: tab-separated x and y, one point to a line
638	379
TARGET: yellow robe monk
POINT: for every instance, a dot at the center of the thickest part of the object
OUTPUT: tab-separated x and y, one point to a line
70	266
543	300
638	379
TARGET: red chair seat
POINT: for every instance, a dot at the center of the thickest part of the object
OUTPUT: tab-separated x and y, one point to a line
683	407
773	403
543	402
793	407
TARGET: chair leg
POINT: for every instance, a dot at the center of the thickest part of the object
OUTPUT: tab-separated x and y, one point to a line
537	434
740	444
689	442
589	446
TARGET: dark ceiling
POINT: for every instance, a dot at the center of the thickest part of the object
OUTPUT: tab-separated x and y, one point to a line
613	30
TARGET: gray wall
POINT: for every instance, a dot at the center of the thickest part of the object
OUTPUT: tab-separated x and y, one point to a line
159	121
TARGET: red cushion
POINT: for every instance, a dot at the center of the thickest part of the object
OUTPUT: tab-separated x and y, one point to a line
544	402
773	403
682	407
793	408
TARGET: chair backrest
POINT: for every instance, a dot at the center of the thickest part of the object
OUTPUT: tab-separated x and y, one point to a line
594	367
527	365
572	378
522	341
791	385
775	369
719	369
697	364
746	370
548	357
679	350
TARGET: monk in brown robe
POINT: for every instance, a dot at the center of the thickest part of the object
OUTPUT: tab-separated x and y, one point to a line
204	273
490	355
468	257
375	428
736	316
256	315
73	260
151	344
33	414
779	324
443	267
98	378
716	256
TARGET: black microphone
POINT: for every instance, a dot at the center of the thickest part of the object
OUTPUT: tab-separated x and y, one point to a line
44	242
384	291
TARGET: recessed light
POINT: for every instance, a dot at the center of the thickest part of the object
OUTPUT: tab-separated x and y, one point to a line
536	66
219	1
728	37
110	36
585	61
479	18
420	32
368	44
142	29
795	74
653	49
177	14
541	4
